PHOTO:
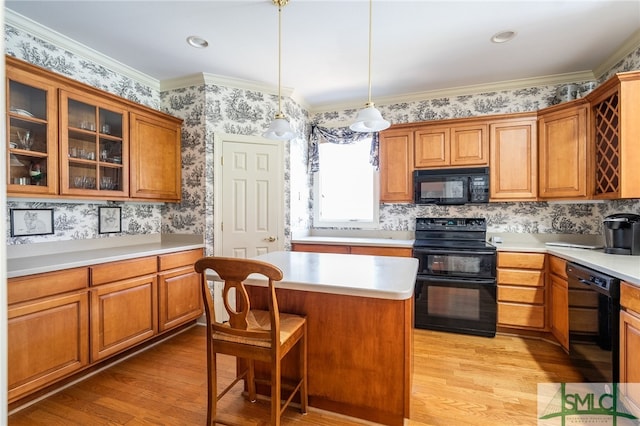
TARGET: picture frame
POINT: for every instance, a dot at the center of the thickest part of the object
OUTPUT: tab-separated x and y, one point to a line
30	222
109	220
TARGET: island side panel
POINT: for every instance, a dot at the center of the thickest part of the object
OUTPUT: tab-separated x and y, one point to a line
359	352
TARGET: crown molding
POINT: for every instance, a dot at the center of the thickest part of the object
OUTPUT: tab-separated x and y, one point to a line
549	80
623	51
38	30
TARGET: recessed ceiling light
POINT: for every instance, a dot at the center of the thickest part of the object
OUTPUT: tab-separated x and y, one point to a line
197	42
503	36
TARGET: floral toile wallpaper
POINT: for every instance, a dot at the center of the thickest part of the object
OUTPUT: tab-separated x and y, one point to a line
210	109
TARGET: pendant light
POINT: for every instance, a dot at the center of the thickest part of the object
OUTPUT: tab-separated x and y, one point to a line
369	118
279	128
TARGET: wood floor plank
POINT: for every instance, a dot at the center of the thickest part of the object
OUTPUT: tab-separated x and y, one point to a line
457	380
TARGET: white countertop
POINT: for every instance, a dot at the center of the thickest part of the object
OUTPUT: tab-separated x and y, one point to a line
73	255
381	277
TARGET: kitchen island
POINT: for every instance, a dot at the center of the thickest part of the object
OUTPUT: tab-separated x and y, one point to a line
359	312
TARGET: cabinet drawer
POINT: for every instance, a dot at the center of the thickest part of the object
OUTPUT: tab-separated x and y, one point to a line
630	296
116	271
48	284
521	294
558	266
521	277
521	260
382	251
520	315
176	260
321	248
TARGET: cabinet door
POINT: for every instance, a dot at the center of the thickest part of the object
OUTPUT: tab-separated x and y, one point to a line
32	130
629	365
396	166
180	297
155	158
93	147
432	147
469	145
123	313
560	310
514	160
47	340
563	153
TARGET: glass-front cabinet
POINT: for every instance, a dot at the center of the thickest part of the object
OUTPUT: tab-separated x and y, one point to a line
93	146
32	164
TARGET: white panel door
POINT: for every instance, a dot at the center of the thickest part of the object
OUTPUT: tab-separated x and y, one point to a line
251	204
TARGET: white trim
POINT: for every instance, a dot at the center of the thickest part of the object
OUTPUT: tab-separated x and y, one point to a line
38	30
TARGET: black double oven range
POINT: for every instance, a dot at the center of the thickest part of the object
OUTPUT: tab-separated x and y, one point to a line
456	283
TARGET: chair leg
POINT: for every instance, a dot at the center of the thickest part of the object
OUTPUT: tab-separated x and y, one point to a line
212	389
303	372
251	380
275	391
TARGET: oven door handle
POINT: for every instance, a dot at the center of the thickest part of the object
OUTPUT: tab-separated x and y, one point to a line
432	278
448	251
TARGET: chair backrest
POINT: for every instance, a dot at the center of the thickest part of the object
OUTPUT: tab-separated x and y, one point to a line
233	272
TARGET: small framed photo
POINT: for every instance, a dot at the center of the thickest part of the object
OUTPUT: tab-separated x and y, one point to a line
27	222
109	220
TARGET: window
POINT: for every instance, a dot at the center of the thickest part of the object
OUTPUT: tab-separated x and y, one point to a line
346	186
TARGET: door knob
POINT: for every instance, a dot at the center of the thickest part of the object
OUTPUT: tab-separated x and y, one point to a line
271	239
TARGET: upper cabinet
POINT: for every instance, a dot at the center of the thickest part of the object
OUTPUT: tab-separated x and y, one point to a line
396	165
32	130
451	145
513	166
564	151
71	140
615	108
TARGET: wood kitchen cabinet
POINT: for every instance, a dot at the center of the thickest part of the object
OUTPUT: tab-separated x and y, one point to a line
47	330
564	153
521	290
349	249
31	133
451	145
615	107
86	143
124	305
179	293
513	164
630	346
559	300
155	157
396	166
94	147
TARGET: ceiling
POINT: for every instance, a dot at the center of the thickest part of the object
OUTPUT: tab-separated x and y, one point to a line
418	46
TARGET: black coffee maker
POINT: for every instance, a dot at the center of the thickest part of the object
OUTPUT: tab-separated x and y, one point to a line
622	233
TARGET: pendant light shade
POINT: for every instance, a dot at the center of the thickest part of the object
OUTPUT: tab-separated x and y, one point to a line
280	129
369	119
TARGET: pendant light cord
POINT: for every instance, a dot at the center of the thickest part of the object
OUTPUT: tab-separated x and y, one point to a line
279	57
370	32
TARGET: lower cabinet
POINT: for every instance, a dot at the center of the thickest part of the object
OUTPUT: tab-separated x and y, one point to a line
630	346
62	322
521	290
559	300
47	340
347	249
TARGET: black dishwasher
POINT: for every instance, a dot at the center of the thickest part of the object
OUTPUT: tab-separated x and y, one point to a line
594	324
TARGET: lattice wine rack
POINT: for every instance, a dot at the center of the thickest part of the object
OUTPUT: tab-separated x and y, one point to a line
607	141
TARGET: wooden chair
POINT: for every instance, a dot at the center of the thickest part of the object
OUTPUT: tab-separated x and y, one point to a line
252	335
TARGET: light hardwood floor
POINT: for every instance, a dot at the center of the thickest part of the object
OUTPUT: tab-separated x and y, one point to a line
457	380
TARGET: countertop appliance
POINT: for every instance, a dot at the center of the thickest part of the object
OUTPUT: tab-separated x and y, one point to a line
594	325
451	186
622	234
456	282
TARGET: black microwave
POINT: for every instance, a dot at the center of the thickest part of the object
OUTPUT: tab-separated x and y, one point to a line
451	186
